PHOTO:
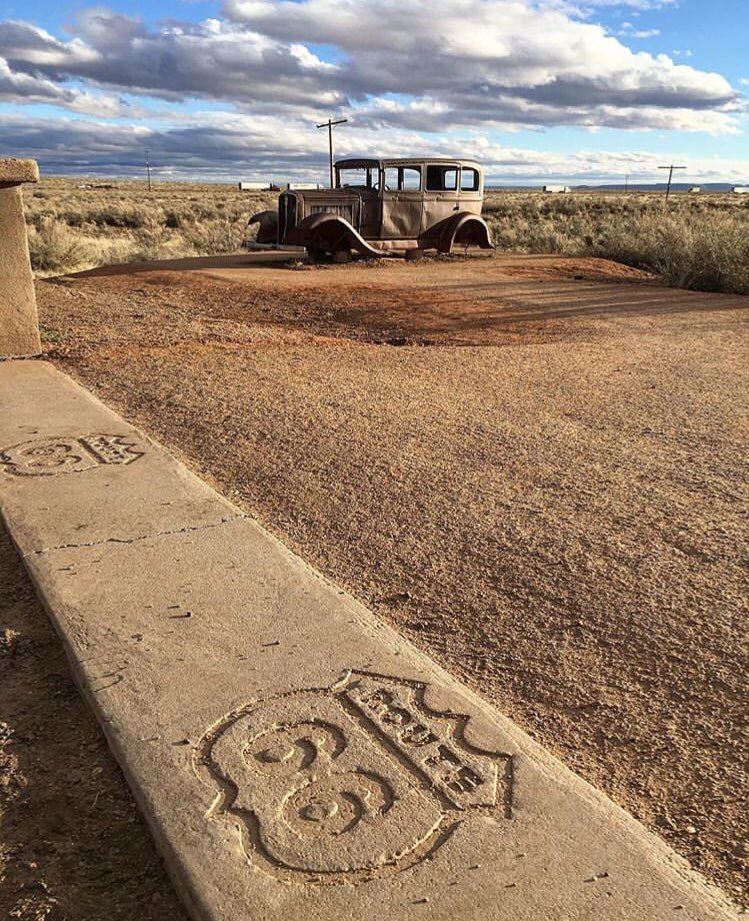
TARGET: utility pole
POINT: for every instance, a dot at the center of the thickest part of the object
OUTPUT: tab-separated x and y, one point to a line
626	184
148	169
670	169
329	124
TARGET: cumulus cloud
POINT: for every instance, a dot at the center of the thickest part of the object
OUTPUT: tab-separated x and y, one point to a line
270	147
628	30
495	60
411	75
638	5
404	63
21	87
211	59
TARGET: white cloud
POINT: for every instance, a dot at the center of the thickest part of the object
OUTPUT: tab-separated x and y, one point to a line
628	31
500	62
460	63
639	5
212	59
237	146
25	88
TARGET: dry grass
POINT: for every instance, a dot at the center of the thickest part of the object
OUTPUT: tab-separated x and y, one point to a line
696	241
77	225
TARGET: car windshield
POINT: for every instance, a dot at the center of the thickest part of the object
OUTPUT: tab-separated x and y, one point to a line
358	177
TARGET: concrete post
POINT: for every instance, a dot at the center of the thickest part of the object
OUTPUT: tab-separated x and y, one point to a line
19	324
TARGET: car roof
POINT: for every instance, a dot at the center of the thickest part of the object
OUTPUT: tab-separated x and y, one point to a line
362	163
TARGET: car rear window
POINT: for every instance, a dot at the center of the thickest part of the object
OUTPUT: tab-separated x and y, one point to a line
442	178
469	179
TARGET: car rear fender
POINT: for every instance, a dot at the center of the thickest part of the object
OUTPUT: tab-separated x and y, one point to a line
464	229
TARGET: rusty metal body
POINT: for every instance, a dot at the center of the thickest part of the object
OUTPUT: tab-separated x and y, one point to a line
383	208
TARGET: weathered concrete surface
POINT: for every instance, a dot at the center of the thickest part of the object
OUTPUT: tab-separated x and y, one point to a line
13	170
19	324
294	756
69	489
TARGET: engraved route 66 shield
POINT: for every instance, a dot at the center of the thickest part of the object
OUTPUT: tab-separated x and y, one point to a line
354	781
53	456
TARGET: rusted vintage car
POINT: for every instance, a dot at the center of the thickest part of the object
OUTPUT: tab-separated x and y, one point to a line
382	208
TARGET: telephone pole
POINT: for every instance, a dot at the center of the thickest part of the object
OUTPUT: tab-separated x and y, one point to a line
329	124
626	184
148	169
670	169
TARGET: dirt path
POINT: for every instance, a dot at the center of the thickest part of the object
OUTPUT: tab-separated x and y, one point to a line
539	478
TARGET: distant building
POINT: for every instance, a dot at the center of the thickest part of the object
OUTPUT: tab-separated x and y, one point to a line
741	189
557	188
273	187
696	188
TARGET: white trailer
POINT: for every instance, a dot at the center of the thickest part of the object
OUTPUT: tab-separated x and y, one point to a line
557	189
255	186
741	189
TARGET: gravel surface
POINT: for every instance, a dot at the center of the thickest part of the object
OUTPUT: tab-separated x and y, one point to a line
534	469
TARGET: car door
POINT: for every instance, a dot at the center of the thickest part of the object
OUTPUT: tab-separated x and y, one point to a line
402	202
441	194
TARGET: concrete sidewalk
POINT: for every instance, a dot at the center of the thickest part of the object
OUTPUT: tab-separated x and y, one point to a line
294	757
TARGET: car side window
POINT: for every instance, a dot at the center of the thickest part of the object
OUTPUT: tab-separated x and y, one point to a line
411	178
469	179
442	178
402	178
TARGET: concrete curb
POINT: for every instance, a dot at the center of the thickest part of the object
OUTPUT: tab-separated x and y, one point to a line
293	756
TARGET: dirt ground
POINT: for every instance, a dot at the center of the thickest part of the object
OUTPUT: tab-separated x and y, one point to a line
73	846
534	468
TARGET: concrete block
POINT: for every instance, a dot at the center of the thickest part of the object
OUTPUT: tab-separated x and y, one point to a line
14	171
19	324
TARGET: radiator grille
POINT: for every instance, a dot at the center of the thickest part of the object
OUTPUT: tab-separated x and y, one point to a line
344	211
287	215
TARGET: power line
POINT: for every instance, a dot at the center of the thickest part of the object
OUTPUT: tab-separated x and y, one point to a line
670	169
330	125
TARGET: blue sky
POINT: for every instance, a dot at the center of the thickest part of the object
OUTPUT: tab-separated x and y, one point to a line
584	91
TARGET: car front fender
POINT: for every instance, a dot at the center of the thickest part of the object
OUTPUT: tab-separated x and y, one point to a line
267	231
329	233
